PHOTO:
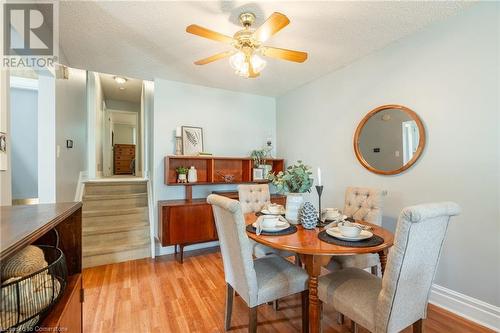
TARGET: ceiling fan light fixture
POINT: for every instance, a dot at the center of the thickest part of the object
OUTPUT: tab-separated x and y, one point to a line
120	79
258	63
237	61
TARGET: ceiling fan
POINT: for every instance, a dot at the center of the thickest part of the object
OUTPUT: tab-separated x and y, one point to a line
247	44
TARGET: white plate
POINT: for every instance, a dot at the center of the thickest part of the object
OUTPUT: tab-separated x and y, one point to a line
266	212
274	229
335	232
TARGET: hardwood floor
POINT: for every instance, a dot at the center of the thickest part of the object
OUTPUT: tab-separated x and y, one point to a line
162	295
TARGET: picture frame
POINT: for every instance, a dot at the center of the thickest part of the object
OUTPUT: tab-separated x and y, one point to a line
258	174
192	140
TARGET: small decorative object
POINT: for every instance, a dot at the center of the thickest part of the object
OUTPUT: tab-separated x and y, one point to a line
178	141
182	174
294	181
192	175
308	216
226	178
69	143
259	157
3	151
192	140
258	174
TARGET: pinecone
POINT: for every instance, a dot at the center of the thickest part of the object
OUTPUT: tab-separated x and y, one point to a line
308	216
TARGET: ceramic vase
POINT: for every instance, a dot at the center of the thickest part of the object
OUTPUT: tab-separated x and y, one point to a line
293	203
192	175
308	216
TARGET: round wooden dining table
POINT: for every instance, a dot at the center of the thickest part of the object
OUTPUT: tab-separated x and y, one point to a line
316	253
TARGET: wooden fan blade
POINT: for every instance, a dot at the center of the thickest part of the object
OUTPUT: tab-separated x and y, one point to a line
207	33
273	24
290	55
214	57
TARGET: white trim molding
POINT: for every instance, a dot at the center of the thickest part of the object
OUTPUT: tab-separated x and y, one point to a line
465	306
80	186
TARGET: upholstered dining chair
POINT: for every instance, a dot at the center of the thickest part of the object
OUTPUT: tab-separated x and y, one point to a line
257	281
253	198
362	204
399	299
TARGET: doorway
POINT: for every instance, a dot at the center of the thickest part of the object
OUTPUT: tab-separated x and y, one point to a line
116	140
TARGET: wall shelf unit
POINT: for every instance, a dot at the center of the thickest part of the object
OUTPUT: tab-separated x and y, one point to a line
210	170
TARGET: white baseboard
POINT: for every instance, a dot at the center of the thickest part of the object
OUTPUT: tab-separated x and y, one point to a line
160	251
465	306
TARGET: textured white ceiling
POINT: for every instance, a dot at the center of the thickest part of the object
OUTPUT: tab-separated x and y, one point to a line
148	40
111	89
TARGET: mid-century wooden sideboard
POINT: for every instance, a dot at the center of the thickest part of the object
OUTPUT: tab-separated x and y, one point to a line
24	225
190	221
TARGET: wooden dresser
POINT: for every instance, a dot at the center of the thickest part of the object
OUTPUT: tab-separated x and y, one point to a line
190	221
123	155
24	225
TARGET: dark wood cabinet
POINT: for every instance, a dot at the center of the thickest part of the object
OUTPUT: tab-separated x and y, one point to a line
24	225
185	222
123	155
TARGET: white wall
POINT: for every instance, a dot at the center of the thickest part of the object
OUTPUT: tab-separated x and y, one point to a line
5	176
23	144
233	124
449	75
99	124
124	134
46	138
71	124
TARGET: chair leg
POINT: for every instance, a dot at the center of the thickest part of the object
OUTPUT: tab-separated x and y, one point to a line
418	326
354	327
374	270
340	318
229	306
252	320
305	311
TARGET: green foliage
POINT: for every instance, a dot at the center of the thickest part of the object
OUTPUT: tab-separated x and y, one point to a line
182	170
295	179
259	156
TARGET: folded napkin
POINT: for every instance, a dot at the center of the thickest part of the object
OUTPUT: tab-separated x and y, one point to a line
258	223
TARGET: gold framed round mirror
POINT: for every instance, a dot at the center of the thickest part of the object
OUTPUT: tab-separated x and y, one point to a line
389	139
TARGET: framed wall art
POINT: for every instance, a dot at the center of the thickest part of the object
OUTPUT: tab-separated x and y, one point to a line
192	140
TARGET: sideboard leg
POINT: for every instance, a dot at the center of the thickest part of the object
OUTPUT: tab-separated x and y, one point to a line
181	249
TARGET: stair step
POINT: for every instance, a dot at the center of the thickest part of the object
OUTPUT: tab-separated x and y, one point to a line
131	219
115	257
115	212
107	228
114	203
117	245
94	188
99	197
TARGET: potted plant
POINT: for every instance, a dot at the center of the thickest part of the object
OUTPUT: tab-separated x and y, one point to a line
259	157
294	181
181	174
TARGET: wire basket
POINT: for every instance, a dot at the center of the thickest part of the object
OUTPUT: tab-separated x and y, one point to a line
26	301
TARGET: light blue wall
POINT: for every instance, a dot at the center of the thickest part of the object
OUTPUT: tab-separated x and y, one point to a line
448	73
24	149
